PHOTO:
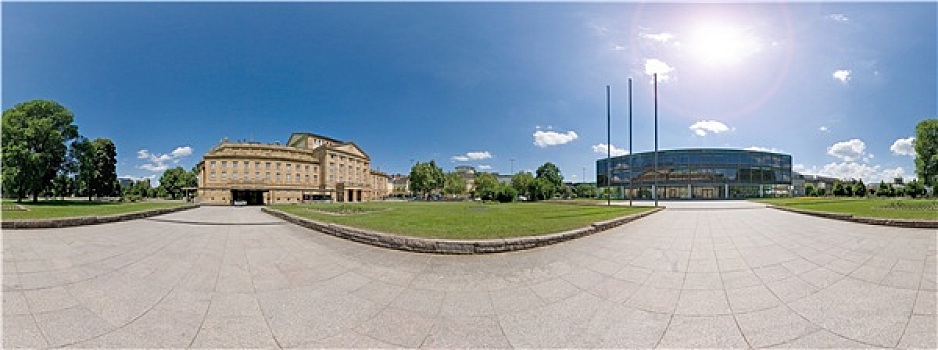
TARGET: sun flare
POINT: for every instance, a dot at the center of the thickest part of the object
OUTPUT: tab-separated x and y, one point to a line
722	44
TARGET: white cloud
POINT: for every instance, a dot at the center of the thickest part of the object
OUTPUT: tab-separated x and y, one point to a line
135	178
603	149
849	150
843	75
659	37
552	138
702	127
154	167
485	167
838	17
904	147
472	156
853	170
824	129
157	162
181	152
654	65
763	149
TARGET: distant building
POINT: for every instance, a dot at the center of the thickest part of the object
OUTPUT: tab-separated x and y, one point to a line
698	174
308	168
125	181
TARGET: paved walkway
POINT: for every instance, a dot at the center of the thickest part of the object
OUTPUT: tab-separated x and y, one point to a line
704	276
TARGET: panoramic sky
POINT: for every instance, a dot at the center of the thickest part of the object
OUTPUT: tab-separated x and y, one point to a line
499	86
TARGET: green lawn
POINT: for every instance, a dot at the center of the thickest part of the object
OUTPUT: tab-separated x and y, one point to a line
460	220
73	208
877	208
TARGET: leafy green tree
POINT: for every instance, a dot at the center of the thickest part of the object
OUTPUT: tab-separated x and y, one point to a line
914	189
454	184
839	189
486	186
884	189
568	192
426	178
848	190
95	163
543	189
174	180
523	182
810	190
82	157
505	193
926	151
34	140
551	173
585	191
105	161
821	192
859	189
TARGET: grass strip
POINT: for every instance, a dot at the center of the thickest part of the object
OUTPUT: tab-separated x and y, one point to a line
920	209
462	220
57	209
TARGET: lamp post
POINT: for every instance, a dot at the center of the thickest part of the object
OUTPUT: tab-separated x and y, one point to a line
631	174
655	191
608	151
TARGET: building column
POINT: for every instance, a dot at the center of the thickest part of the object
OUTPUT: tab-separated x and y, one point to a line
761	190
726	191
690	194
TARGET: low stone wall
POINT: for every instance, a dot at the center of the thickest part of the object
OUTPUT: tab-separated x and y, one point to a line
908	223
89	220
452	246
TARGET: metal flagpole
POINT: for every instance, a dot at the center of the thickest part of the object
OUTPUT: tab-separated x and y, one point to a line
608	151
655	191
631	173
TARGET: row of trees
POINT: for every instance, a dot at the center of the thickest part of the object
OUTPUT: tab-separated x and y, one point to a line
545	183
912	189
43	154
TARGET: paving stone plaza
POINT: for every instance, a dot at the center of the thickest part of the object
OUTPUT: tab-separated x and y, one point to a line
699	274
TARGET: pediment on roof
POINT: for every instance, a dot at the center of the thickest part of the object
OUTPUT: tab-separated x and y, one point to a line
350	148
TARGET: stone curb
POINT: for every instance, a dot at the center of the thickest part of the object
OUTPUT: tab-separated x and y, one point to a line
452	246
907	223
89	220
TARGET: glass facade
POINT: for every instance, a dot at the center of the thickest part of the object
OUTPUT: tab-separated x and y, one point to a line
698	174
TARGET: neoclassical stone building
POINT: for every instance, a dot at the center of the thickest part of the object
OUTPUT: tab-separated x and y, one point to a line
308	168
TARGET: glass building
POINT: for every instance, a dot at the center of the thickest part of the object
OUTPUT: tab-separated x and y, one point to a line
697	174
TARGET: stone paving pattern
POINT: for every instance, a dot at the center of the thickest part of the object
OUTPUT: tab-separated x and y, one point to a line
707	276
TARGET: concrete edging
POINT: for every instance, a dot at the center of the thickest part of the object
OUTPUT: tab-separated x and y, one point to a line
89	220
452	246
907	223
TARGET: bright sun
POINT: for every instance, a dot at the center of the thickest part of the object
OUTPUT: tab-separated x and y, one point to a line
722	44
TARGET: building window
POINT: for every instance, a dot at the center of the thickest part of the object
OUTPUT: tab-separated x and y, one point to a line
224	164
213	164
278	177
245	176
307	178
307	168
212	175
278	165
268	165
267	176
257	165
257	176
234	164
288	166
224	176
246	163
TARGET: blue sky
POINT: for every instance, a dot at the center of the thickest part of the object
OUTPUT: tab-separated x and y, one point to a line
840	87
